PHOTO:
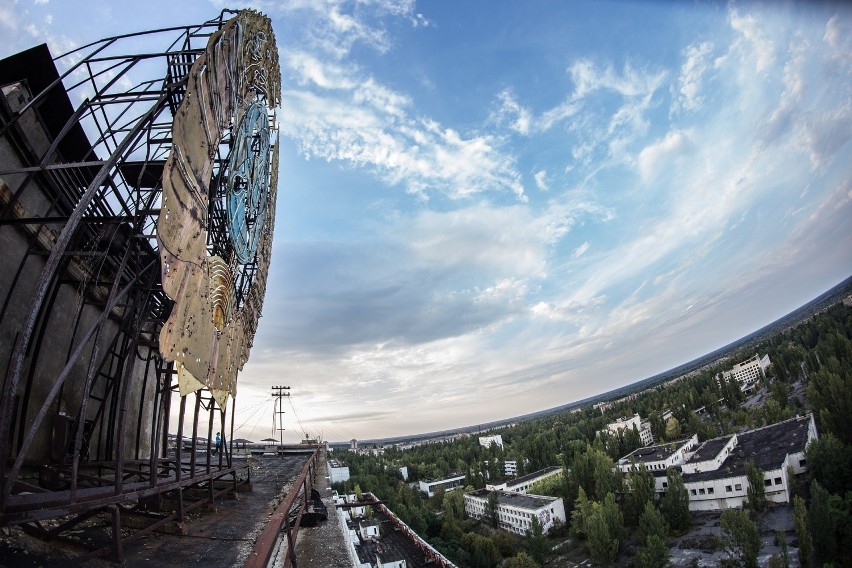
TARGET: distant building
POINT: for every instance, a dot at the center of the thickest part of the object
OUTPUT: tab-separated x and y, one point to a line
657	459
510	467
384	541
404	471
353	445
487	441
715	474
522	484
515	511
748	372
448	484
337	471
635	421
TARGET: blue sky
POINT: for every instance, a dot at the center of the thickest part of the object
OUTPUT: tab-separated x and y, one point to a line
491	208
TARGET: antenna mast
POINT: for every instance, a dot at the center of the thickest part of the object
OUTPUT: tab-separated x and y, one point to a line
278	392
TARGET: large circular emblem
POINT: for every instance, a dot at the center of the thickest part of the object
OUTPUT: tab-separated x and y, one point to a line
248	182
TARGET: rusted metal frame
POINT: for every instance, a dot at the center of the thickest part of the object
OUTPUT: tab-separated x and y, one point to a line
108	402
165	394
194	446
43	318
261	553
209	442
109	132
153	450
27	326
57	166
13	473
81	417
140	309
41	506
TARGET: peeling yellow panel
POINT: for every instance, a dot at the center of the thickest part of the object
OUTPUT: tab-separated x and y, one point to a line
186	382
211	328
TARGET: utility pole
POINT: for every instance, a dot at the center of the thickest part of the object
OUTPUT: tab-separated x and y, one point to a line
278	392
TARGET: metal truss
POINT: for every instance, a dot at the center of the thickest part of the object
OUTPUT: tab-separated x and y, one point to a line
87	402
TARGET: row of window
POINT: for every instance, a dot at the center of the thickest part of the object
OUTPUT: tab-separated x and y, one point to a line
736	487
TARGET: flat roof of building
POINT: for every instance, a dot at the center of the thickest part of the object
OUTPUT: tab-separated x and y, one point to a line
709	449
531	476
450	478
767	447
658	452
519	500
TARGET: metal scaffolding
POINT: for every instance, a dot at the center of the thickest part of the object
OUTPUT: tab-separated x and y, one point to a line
88	401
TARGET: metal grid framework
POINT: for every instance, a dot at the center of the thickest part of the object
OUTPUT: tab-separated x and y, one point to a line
87	401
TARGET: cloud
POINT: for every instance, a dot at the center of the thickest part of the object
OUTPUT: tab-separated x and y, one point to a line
753	41
581	250
690	83
660	153
827	133
541	180
368	127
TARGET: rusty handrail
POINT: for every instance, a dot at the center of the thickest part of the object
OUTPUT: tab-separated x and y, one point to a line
266	542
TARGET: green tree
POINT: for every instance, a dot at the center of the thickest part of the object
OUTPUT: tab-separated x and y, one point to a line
823	526
830	463
652	523
830	394
675	503
605	528
640	491
483	553
740	538
654	554
603	546
580	515
672	429
536	541
491	509
800	515
521	560
756	488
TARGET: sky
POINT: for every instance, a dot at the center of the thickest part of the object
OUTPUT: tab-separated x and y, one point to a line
489	208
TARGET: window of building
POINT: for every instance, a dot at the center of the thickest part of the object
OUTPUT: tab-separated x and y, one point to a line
777	481
692	491
710	490
727	488
802	462
665	484
738	487
767	482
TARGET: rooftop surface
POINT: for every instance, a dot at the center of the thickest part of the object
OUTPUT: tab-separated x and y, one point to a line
658	452
709	449
766	447
531	476
516	499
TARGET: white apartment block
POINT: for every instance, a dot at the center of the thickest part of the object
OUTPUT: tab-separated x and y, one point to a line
486	441
748	372
337	471
715	474
635	421
510	468
515	511
657	459
449	483
523	483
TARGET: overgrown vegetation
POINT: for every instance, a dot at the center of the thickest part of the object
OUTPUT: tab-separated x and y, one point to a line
811	371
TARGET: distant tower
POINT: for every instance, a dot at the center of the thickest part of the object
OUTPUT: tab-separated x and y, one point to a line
353	444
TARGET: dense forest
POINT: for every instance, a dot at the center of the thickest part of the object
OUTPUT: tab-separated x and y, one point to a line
619	520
